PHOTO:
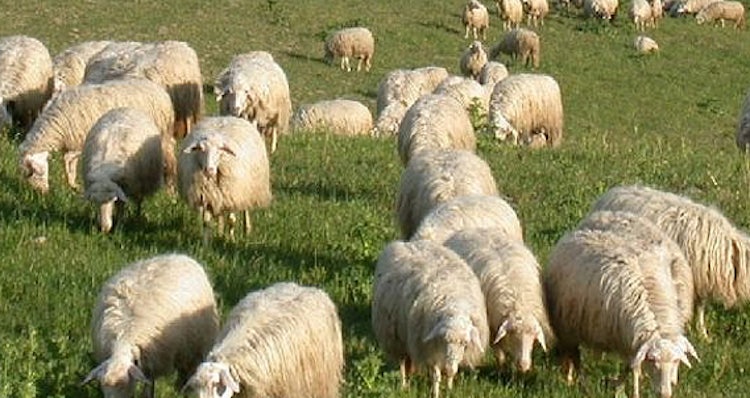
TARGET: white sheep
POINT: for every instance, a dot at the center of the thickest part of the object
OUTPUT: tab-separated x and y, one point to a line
657	11
645	45
152	317
26	79
615	293
434	177
742	138
255	88
722	11
69	116
281	341
473	96
223	168
602	9
339	116
718	252
356	42
519	43
69	65
641	14
472	60
476	19
435	122
428	311
536	11
525	106
690	6
492	72
510	278
511	13
100	65
469	212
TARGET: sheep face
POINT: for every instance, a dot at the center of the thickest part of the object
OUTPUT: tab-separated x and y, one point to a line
117	377
700	19
35	169
662	358
236	102
503	129
456	335
209	152
105	193
213	380
516	336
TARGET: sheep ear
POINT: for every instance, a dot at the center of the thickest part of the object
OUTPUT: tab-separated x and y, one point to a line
502	331
219	93
475	339
685	345
232	387
227	149
120	195
640	356
196	146
35	161
137	374
435	332
95	373
540	336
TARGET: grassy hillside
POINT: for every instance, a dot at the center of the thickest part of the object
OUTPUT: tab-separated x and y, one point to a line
666	120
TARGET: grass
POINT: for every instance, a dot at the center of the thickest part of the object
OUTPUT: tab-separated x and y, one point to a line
666	120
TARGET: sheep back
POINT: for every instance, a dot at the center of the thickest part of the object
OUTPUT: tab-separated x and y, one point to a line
70	65
339	116
722	11
355	42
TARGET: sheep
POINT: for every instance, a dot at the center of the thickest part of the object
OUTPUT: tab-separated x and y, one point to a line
492	72
743	126
512	286
153	316
473	59
475	19
255	88
122	161
223	168
526	106
469	212
339	116
26	79
645	45
70	115
435	122
511	12
641	14
100	65
69	66
281	341
691	7
717	251
616	293
722	11
536	11
657	11
602	9
472	95
519	43
433	177
428	311
356	42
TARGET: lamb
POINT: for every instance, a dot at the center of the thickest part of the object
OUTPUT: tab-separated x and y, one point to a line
122	161
492	72
435	122
475	19
223	168
69	66
511	12
645	45
26	80
468	92
602	9
434	177
536	11
519	43
339	116
616	293
722	11
281	341
256	88
512	286
428	311
356	42
743	126
473	59
527	106
70	115
641	14
717	251
153	316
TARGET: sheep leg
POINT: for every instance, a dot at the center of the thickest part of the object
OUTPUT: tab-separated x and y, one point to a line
700	319
368	63
466	35
435	378
404	367
499	358
571	360
205	224
148	390
71	167
231	222
248	225
274	139
636	382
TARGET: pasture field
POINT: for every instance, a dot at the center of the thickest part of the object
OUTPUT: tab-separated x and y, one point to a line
666	120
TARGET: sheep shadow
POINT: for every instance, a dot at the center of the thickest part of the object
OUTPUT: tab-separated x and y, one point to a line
441	25
306	58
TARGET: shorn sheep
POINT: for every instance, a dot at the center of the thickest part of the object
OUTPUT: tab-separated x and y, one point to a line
718	252
69	66
601	9
645	45
69	116
526	107
722	11
615	293
476	19
435	122
222	169
511	12
281	341
255	87
152	317
339	116
472	60
520	44
347	43
434	177
428	311
122	162
26	79
511	282
742	138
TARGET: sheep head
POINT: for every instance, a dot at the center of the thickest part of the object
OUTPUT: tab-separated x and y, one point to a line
457	334
213	380
517	336
209	151
118	376
105	192
663	358
35	169
503	128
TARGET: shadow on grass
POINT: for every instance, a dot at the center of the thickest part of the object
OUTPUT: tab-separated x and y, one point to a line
440	25
306	58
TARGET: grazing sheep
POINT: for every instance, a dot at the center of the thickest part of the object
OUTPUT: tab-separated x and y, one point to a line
645	45
602	9
122	161
641	14
152	317
519	43
743	126
347	43
492	72
616	293
468	92
26	79
473	59
510	279
657	11
469	212
389	120
255	88
536	11
428	311
69	116
722	11
718	252
690	7
511	12
339	116
435	122
435	177
281	341
69	66
526	106
475	19
100	65
223	168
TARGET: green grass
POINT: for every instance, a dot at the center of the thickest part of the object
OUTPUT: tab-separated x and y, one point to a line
666	120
